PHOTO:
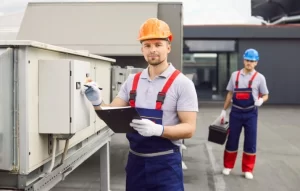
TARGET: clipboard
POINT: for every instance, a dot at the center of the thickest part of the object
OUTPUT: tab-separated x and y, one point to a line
118	119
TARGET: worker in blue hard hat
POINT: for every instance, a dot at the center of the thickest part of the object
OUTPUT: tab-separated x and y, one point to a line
247	90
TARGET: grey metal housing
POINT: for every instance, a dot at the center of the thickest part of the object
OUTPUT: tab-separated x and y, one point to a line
7	104
24	153
103	28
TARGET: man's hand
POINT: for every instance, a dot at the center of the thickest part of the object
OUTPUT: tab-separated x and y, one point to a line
93	93
221	119
259	102
147	128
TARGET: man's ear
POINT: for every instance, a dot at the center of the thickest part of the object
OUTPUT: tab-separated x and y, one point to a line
142	48
169	47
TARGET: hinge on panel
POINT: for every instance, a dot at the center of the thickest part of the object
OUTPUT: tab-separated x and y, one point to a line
70	119
50	144
70	73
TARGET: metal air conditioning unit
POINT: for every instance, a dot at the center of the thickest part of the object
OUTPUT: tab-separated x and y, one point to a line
42	103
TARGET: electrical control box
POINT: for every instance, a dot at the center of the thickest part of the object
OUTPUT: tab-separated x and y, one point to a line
120	75
63	107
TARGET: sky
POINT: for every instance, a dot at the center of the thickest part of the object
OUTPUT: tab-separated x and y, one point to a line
194	11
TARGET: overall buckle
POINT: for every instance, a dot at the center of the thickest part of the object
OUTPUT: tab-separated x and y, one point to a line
161	97
132	95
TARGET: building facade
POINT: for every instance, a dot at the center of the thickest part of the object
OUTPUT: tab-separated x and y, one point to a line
219	51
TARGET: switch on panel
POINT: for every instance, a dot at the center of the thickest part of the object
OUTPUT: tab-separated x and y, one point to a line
63	108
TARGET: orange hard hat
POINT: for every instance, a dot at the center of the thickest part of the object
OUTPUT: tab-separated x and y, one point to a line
154	28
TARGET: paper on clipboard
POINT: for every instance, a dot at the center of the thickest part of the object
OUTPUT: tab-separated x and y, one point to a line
118	119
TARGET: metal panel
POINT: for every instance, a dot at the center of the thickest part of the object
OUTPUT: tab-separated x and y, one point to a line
109	28
6	109
80	110
23	107
68	111
279	63
172	14
54	96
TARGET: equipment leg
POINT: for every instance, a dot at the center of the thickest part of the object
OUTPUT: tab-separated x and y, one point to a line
183	147
105	168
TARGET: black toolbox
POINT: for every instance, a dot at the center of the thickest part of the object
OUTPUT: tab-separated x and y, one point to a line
218	133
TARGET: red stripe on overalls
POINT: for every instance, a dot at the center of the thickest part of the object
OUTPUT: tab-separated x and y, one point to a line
161	95
250	82
133	91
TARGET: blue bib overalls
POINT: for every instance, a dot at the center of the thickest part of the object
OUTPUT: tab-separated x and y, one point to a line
243	114
154	163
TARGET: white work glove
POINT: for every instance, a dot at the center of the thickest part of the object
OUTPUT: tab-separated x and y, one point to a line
221	119
259	102
147	128
93	93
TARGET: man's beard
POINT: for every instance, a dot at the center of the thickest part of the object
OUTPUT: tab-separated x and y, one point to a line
249	68
155	63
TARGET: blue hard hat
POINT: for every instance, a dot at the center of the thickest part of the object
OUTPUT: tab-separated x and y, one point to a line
251	54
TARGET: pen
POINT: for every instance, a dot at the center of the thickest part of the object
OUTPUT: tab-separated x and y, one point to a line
90	86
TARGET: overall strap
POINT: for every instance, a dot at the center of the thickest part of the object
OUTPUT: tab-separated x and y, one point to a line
250	82
162	95
132	94
237	79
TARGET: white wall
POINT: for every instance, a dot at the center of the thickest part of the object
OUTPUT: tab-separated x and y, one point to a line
9	25
198	12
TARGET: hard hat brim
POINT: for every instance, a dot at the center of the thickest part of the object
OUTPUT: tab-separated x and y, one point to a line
152	37
252	59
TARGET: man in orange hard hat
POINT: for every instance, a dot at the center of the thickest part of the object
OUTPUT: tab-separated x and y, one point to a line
167	102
